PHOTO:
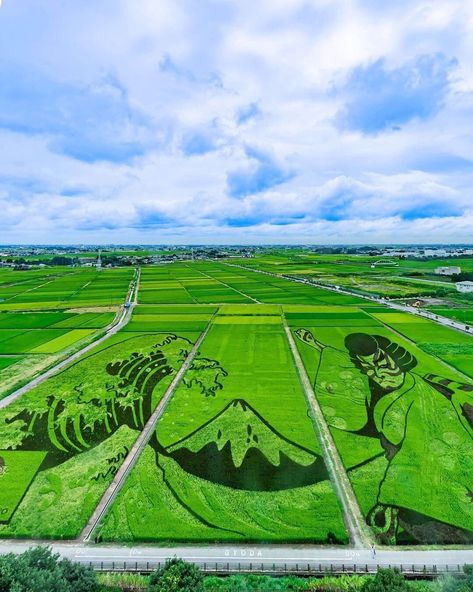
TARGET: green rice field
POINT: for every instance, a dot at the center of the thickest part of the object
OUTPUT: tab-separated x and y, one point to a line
44	314
235	455
239	463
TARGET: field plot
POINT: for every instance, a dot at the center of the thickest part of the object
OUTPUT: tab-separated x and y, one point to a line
208	282
59	288
365	274
462	314
25	351
270	289
401	419
235	455
182	284
62	443
7	361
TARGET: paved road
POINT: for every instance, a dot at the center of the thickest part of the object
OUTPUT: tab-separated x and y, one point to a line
269	555
142	440
116	325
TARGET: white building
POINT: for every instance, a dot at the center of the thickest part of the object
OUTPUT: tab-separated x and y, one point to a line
464	286
448	270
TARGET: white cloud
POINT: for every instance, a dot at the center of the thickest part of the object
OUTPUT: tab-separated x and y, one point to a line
188	70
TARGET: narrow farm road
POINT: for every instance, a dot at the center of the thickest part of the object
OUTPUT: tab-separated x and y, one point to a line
114	327
351	512
144	437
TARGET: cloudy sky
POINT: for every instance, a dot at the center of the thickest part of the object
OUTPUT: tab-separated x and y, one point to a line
236	121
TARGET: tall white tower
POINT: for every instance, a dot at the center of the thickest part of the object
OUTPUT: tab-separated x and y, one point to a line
99	261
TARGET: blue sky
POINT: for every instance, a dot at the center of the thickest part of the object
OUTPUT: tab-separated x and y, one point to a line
280	121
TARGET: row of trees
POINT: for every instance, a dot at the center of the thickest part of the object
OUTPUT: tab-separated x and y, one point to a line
39	570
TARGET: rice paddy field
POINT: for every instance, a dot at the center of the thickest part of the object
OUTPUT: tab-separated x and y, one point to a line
400	419
393	277
239	462
235	455
78	427
216	283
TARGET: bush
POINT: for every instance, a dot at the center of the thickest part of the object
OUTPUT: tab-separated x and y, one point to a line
387	580
255	583
176	576
339	584
455	584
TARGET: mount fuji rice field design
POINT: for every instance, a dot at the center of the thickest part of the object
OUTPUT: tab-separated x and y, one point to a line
240	449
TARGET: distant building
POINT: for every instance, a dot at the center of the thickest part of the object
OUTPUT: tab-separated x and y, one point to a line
453	270
464	286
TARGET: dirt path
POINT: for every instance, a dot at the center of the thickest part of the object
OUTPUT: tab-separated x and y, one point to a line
142	440
354	520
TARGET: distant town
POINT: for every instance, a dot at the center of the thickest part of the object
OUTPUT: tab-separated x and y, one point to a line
27	256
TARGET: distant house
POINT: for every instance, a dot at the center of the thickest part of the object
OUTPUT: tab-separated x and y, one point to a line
464	286
453	270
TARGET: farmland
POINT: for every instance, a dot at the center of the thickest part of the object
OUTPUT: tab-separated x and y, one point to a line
399	278
236	454
46	313
84	421
239	461
399	419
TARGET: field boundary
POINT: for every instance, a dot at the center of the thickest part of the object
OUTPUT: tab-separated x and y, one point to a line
132	458
351	511
230	287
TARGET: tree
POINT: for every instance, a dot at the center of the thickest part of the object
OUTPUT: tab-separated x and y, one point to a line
386	580
79	578
464	276
39	570
177	576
